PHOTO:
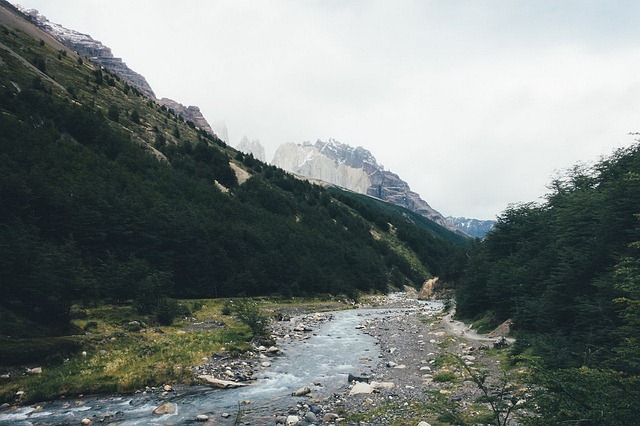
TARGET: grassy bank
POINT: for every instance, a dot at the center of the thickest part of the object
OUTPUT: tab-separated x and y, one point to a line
113	349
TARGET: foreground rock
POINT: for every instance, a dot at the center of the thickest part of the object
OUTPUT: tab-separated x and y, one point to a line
166	408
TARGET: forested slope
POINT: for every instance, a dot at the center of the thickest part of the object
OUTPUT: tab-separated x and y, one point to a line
567	272
108	196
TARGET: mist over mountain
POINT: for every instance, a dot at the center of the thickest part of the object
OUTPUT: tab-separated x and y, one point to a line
253	147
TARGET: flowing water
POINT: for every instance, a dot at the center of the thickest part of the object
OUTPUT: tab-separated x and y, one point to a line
335	350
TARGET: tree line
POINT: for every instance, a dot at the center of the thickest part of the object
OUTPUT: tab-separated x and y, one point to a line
567	271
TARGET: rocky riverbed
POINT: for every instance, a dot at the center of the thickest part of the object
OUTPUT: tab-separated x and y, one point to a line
385	381
411	336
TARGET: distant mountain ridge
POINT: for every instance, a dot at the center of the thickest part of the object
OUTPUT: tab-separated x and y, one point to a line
474	227
355	169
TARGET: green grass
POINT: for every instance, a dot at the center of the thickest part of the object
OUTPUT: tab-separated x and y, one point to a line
120	360
117	360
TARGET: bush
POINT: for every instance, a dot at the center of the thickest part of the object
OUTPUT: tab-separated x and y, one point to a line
248	312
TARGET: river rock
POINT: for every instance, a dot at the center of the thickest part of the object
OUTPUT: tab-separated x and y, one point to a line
202	418
273	350
265	364
330	417
310	417
361	387
301	392
167	388
166	408
218	383
292	420
85	422
423	423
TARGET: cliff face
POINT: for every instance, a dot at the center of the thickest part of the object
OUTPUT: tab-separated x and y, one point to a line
86	46
355	169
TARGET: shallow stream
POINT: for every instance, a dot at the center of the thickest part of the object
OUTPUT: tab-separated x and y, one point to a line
335	350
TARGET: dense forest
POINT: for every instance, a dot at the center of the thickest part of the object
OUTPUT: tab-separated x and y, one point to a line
109	197
567	272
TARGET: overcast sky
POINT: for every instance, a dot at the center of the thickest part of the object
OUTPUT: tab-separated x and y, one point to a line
476	104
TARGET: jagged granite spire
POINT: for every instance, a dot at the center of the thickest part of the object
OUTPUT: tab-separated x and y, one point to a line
253	147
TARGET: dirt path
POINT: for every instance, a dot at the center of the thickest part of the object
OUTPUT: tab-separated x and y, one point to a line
458	328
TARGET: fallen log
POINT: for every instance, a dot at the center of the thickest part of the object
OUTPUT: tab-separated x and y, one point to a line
222	384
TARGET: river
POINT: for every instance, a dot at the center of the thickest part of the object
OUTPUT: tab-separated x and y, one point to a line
335	350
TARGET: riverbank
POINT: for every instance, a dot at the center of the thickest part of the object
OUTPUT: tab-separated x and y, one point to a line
416	370
421	373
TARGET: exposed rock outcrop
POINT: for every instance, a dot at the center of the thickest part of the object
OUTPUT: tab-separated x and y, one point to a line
428	289
86	46
101	55
355	169
190	113
253	147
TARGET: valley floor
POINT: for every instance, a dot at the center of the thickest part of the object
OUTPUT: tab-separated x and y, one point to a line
421	371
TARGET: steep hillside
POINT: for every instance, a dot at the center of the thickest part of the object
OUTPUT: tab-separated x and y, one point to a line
109	196
355	169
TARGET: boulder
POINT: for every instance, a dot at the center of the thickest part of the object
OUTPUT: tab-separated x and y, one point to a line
301	392
292	420
85	422
361	387
36	370
311	417
166	408
202	418
330	417
427	290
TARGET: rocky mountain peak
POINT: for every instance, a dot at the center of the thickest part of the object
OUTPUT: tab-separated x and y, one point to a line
357	157
253	147
474	227
355	169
